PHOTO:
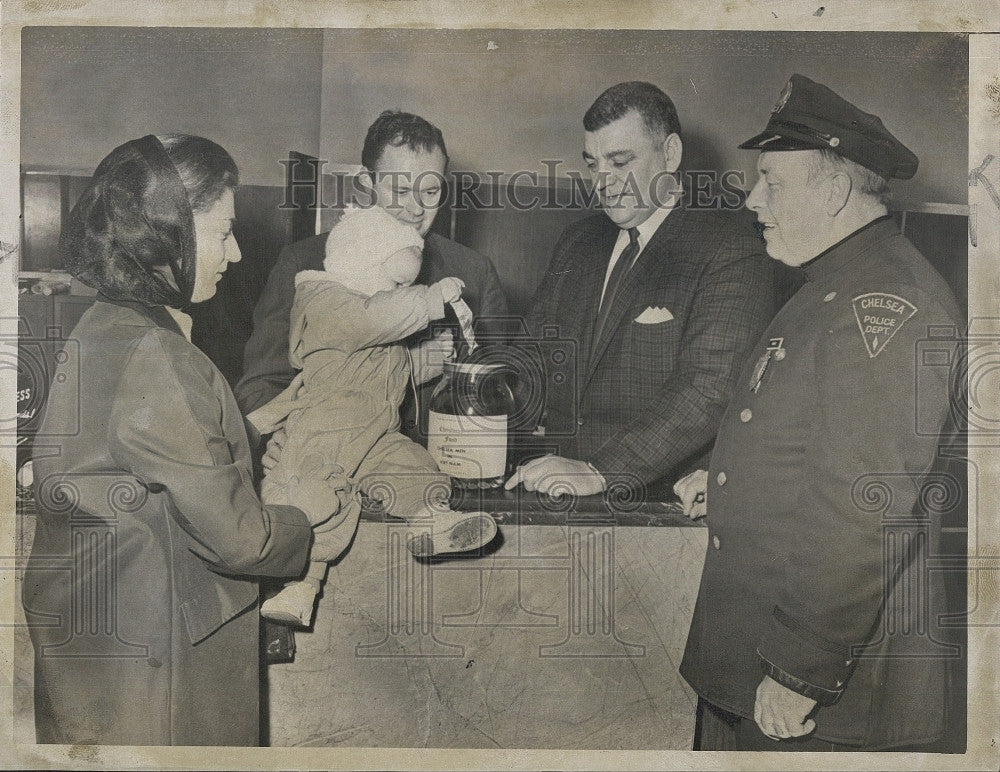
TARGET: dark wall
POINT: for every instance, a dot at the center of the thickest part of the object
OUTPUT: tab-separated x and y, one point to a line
505	106
510	105
85	90
944	240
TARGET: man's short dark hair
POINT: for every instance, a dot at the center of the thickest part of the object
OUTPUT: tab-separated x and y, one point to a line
655	107
396	128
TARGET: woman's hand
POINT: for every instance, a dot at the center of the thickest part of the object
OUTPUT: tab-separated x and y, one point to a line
316	491
450	288
271	416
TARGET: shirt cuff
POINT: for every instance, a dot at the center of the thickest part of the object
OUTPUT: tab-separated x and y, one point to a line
595	470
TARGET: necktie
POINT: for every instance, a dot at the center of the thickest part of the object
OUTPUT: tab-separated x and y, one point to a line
614	282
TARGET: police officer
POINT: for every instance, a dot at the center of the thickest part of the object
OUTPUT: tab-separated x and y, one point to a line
808	633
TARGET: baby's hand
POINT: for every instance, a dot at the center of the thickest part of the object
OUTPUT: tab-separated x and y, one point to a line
450	288
274	447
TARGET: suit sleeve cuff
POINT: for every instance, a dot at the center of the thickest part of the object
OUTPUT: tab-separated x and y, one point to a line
622	487
607	459
797	658
595	470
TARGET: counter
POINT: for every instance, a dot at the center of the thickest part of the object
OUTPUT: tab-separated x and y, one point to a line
565	632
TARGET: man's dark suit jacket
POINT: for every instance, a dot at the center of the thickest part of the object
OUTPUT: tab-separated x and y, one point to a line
648	400
266	367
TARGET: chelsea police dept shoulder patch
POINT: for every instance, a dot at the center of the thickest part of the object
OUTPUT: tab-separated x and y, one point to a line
880	315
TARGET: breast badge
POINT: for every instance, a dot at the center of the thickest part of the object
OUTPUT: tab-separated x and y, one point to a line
775	349
880	316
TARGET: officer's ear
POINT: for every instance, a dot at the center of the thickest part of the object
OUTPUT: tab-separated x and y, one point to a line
839	191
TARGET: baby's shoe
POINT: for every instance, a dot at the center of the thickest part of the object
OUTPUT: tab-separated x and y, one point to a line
450	531
293	604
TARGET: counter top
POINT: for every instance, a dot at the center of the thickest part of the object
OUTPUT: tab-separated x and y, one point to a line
521	507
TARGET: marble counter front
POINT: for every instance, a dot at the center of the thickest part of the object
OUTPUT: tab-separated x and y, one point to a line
566	632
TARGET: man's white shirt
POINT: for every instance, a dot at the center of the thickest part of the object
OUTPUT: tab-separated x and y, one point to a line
646	231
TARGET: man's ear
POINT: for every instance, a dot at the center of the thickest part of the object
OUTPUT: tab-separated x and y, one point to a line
840	191
672	151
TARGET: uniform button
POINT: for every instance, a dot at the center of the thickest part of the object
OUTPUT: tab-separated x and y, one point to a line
746	415
579	422
721	478
715	542
829	297
779	354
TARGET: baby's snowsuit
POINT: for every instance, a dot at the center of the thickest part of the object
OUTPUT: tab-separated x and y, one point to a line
355	375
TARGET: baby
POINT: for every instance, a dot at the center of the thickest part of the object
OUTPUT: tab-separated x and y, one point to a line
346	324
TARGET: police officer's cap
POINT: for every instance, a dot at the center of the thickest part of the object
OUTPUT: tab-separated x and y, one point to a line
809	116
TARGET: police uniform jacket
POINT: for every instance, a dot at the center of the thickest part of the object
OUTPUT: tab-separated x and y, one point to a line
819	529
140	590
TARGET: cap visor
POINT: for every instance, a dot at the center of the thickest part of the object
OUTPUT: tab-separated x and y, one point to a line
784	140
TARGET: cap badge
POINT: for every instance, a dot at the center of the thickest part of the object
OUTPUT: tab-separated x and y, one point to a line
783	98
880	316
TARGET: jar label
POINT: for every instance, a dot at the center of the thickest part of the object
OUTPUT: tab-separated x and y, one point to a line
468	447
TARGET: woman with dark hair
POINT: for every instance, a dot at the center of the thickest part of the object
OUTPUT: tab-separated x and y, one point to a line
141	589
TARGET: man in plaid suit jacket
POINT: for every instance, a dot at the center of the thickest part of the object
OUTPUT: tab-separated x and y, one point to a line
650	388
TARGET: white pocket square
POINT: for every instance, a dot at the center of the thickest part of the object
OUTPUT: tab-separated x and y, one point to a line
654	315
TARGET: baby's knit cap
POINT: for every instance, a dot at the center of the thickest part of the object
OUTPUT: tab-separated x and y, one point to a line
361	241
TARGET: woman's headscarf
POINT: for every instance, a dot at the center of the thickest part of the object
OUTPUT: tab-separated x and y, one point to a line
131	234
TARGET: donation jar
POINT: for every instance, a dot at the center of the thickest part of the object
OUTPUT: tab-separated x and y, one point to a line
467	429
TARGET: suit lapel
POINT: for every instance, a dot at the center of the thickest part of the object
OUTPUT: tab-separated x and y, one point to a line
591	282
650	259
